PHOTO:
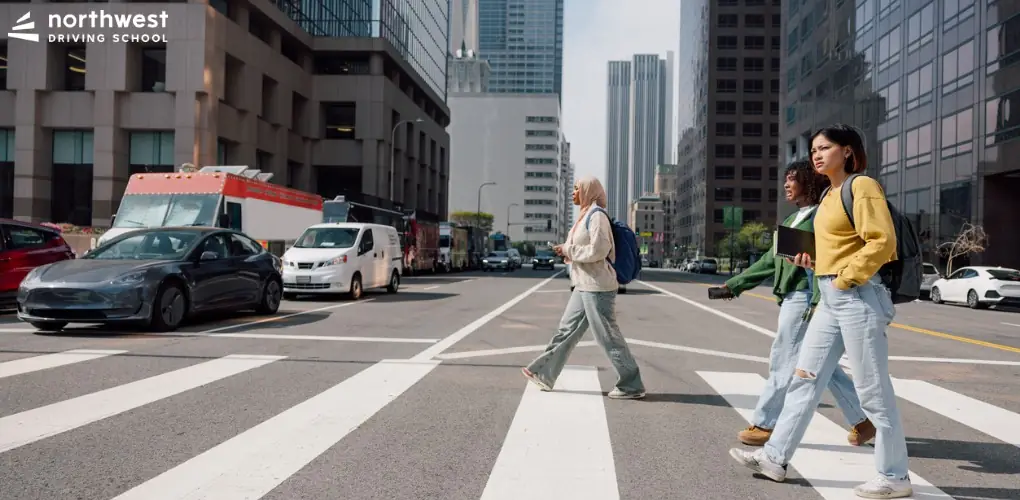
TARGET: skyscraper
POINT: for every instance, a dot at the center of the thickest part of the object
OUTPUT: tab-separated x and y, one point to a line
523	42
639	120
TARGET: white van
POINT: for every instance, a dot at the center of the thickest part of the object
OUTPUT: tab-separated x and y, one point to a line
344	257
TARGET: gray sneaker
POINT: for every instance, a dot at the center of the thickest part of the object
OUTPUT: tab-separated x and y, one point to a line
759	462
618	394
884	487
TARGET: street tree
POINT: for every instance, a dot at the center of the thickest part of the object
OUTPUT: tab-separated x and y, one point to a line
971	239
476	219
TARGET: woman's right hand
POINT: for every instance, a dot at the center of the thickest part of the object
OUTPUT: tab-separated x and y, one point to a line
802	260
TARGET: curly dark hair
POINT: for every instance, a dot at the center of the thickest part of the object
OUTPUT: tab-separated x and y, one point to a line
811	182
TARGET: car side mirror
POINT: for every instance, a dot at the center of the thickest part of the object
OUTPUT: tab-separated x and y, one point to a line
207	255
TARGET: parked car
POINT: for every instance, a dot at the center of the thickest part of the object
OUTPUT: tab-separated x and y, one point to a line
24	247
930	274
978	287
347	257
157	277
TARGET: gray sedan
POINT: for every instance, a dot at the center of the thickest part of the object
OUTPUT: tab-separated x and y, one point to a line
157	277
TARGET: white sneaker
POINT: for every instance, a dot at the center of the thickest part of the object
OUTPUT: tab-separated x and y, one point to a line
618	394
884	487
759	462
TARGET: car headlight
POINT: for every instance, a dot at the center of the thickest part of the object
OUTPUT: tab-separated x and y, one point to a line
131	278
336	260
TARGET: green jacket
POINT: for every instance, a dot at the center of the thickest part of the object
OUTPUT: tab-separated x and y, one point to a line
785	276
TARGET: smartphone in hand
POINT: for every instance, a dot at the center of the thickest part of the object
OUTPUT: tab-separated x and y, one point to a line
719	292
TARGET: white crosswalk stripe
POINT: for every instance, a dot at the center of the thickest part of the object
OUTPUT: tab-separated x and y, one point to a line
558	444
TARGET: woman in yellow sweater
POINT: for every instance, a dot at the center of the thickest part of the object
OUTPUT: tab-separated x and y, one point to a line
852	317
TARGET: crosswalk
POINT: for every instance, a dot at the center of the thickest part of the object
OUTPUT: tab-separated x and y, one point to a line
557	444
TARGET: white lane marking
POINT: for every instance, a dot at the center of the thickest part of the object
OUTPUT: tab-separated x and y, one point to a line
558	445
703	307
432	287
508	350
565	290
312	337
697	350
46	361
17	330
32	425
1011	324
955	360
978	415
459	335
824	459
278	318
254	462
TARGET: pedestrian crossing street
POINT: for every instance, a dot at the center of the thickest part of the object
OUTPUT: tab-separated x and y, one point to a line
557	445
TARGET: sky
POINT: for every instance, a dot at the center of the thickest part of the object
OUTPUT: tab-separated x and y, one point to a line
594	33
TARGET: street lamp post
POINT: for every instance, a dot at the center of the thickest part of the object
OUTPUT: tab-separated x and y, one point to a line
393	150
478	213
508	216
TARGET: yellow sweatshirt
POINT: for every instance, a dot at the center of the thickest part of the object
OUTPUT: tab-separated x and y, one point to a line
854	256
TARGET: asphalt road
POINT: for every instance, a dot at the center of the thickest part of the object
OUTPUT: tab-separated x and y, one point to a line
419	395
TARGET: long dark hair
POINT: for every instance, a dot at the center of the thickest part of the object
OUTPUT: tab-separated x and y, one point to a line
847	136
811	182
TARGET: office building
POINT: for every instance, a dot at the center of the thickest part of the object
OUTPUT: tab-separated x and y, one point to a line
666	190
311	94
646	218
639	123
523	41
566	191
507	158
934	87
468	73
728	155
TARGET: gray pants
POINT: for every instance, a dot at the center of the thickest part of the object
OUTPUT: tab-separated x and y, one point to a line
598	310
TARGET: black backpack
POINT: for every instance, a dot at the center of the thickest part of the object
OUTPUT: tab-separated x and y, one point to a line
902	276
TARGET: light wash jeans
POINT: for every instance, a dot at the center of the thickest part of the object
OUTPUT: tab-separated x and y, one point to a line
852	321
597	310
783	362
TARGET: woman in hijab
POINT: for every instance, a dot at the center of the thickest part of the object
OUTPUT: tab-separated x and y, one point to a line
588	250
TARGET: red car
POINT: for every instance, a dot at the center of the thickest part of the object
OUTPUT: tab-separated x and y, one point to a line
23	247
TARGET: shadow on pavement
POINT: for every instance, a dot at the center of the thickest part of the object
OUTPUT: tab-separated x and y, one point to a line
984	458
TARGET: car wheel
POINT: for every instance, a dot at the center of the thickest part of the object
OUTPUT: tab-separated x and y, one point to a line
272	295
356	291
169	308
394	282
48	326
972	300
936	296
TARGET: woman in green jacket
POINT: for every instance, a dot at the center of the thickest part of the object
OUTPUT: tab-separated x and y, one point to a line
796	292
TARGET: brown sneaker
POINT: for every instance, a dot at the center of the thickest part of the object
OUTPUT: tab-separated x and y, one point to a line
861	433
754	436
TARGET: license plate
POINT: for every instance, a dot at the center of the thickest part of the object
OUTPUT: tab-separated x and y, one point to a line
304	279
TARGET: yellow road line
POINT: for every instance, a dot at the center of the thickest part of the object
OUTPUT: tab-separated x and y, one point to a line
908	328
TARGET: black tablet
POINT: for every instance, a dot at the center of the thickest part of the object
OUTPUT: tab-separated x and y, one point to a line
791	241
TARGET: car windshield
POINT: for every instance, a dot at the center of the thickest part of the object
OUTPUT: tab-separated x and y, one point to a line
444	241
500	255
161	210
930	269
544	254
1005	274
150	245
328	237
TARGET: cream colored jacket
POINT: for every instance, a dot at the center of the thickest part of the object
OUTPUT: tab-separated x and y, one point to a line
587	251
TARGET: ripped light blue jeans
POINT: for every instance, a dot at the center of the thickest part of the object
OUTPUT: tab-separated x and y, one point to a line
853	321
783	362
598	311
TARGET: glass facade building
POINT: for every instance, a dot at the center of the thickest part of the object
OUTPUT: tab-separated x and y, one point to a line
419	29
523	42
934	85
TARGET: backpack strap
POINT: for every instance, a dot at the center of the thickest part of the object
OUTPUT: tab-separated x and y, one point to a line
587	220
846	193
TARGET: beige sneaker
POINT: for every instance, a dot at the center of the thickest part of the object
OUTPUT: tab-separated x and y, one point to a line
754	436
862	433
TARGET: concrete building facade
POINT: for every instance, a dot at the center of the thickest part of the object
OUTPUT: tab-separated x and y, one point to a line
646	218
236	83
729	69
566	191
507	156
934	87
618	139
523	41
666	190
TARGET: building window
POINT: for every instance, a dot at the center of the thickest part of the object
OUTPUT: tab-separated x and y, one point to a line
153	70
1003	118
773	130
958	67
3	65
151	152
726	42
724	194
891	96
754	42
754	86
773	151
865	16
726	86
71	198
725	172
773	195
340	120
754	21
1004	44
918	146
725	107
718	216
774	86
921	28
753	108
726	63
890	158
919	86
542	119
956	11
754	64
74	68
773	173
751	151
725	151
727	20
753	130
750	195
7	173
750	174
889	49
957	133
724	129
777	43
